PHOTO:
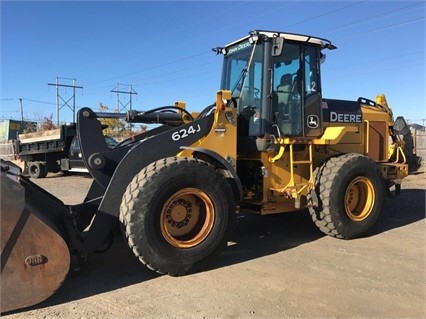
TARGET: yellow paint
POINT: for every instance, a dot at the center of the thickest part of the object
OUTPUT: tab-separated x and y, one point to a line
382	102
222	138
333	135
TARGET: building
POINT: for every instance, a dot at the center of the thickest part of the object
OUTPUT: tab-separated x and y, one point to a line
9	129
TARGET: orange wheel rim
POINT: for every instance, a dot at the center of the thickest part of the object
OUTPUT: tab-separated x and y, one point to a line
187	218
359	199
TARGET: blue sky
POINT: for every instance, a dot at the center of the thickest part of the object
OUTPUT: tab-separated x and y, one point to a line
163	50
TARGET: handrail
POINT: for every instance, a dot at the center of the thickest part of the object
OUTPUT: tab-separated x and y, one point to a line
400	150
367	137
296	189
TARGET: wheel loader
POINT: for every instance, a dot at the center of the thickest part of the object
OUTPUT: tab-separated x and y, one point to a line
270	143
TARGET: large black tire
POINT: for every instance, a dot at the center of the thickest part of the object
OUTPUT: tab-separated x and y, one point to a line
37	170
350	192
177	213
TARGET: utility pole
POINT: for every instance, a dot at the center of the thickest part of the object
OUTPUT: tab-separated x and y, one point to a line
22	110
65	102
120	106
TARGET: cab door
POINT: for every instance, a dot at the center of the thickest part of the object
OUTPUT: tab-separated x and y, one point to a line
75	156
297	85
312	98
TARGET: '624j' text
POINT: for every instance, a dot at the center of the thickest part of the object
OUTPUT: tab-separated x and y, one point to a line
185	132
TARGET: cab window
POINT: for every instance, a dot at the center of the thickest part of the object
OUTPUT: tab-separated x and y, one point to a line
286	109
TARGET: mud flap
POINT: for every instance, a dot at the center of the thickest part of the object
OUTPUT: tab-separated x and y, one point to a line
35	258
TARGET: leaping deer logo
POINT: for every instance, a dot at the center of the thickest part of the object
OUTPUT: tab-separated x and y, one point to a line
313	121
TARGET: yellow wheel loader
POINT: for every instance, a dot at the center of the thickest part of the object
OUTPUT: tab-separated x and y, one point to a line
270	143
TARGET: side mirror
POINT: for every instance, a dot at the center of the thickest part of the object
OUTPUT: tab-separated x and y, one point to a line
277	47
400	127
322	58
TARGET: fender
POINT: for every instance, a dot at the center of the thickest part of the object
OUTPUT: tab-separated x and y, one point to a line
220	162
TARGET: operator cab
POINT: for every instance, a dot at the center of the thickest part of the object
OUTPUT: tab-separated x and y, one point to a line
275	82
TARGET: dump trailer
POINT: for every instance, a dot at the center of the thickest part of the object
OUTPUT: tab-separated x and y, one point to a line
46	151
270	143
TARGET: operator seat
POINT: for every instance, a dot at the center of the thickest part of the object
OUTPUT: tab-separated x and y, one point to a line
284	89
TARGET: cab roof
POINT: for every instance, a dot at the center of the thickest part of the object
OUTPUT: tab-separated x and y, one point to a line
323	43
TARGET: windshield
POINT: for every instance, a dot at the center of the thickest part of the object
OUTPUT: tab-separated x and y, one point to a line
242	73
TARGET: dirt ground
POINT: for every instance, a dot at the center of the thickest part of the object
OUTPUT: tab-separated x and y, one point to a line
276	267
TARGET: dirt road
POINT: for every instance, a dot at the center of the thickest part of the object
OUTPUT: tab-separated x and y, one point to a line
275	267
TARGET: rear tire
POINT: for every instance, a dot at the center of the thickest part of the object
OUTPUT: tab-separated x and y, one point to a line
177	213
37	170
350	190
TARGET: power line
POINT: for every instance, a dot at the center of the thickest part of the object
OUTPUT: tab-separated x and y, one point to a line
323	14
37	101
388	27
151	68
327	13
229	25
370	18
192	39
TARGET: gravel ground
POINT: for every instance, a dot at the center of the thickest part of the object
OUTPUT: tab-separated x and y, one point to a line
276	267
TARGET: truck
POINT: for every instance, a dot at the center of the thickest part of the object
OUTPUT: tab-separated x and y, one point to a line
270	143
56	150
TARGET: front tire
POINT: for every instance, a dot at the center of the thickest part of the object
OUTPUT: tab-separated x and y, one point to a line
351	191
177	213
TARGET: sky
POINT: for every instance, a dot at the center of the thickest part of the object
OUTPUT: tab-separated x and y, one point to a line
161	51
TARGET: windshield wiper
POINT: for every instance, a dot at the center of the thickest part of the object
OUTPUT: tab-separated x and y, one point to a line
244	72
241	76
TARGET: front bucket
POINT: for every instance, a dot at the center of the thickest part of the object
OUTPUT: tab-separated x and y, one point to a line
35	258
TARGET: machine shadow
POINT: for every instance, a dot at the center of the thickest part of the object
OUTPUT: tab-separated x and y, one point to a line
258	236
254	237
406	209
102	272
117	268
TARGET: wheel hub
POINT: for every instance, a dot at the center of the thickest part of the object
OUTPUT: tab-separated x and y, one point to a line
179	213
